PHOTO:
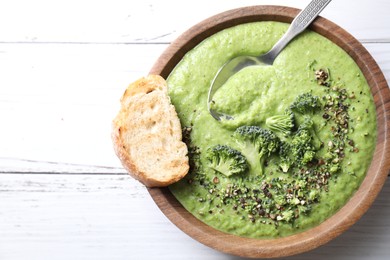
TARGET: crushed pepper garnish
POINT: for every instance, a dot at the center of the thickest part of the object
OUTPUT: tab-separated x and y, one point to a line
322	77
286	199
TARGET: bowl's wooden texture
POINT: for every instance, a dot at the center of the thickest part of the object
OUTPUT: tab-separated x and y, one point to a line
356	206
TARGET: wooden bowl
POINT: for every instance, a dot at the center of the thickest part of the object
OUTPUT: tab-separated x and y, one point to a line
355	207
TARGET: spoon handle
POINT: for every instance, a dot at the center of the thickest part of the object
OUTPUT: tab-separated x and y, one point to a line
307	15
298	25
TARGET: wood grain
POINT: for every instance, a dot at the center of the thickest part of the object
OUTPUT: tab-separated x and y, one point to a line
34	76
67	96
62	217
63	67
361	200
156	21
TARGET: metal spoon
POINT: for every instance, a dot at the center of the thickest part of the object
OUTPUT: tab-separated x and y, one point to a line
298	25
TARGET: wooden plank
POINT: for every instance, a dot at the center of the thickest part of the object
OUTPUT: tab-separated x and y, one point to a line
45	216
57	102
159	21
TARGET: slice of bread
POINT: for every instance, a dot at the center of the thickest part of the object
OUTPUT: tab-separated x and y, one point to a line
147	134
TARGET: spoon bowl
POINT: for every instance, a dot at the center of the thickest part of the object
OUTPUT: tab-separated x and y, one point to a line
298	25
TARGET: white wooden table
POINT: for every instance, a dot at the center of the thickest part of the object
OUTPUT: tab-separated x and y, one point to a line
63	68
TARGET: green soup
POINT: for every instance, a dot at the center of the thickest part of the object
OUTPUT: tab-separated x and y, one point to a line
274	203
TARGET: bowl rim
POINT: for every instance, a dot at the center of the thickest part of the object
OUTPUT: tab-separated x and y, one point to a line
357	205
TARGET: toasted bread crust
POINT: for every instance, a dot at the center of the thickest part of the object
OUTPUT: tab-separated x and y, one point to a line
147	134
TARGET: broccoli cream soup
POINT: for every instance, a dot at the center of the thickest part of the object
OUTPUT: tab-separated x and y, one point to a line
300	144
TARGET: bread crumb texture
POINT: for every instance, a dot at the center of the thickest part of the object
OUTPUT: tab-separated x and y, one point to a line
147	134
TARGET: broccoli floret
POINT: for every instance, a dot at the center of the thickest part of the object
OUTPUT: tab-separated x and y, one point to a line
304	143
285	156
226	160
308	156
334	167
313	195
301	147
287	215
256	144
306	103
308	125
281	123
